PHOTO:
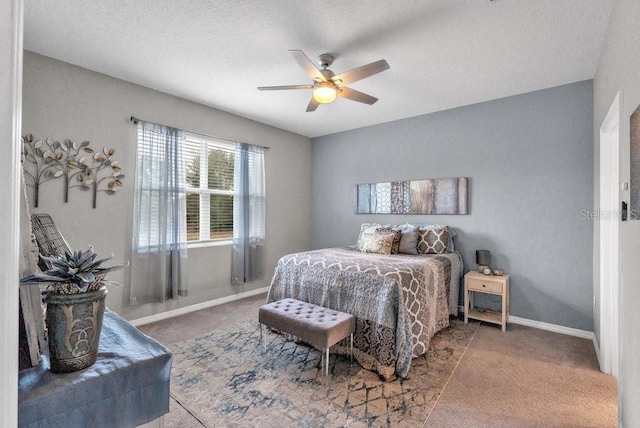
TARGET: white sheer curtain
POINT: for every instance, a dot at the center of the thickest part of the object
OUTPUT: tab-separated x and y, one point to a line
158	265
248	214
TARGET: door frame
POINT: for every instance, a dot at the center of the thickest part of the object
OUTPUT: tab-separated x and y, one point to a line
610	240
11	48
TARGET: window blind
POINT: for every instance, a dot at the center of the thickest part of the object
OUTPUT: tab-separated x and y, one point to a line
209	172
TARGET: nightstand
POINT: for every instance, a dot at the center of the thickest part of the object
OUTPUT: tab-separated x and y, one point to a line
476	282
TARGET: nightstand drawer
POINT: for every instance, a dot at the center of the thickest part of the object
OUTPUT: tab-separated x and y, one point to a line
474	284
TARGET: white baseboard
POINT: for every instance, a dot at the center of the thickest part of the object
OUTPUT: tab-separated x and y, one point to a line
596	346
584	334
187	309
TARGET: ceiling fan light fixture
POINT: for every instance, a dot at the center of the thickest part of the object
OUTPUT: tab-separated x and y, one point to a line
324	93
327	85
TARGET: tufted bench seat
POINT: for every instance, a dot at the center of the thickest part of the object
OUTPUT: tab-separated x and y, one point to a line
319	326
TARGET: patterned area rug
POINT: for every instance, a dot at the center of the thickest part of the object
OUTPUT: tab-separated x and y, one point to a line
225	379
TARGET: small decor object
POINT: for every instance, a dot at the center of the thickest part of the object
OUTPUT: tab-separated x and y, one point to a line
486	271
433	196
483	259
48	160
498	272
75	294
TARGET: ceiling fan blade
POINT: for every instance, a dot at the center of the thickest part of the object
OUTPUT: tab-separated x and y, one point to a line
313	105
277	88
307	65
353	95
360	73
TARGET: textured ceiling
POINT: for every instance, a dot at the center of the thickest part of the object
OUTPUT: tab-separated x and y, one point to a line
443	53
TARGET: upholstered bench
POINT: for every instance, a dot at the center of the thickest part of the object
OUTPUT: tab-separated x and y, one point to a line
316	325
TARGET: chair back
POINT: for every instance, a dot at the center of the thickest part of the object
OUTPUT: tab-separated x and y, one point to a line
50	241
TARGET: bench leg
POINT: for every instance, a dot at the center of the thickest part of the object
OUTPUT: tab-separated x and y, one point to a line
261	339
326	363
351	350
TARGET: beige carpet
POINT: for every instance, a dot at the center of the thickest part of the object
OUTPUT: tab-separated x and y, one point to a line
225	380
527	378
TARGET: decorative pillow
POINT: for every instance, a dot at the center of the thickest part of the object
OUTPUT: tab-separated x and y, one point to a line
409	235
433	239
380	242
375	227
452	234
363	227
450	245
395	248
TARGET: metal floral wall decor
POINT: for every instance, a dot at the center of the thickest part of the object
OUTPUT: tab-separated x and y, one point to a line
433	196
78	165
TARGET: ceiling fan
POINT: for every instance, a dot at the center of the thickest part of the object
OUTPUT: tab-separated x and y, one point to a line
327	85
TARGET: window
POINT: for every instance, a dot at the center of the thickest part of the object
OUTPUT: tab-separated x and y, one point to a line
209	178
185	193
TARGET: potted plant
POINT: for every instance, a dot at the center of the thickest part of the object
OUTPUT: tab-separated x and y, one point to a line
75	292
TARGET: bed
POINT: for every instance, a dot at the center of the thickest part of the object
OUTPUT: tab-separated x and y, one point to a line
399	300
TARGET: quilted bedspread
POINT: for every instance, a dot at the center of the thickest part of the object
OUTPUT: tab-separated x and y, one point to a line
399	301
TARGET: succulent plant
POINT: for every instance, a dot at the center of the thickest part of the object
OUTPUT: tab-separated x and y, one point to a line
75	272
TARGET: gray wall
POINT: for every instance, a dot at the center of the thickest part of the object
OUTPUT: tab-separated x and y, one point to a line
63	101
619	70
529	159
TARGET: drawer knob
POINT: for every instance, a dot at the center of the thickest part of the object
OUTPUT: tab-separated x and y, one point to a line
483	285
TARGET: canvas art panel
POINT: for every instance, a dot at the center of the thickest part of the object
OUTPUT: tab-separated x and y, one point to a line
431	196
